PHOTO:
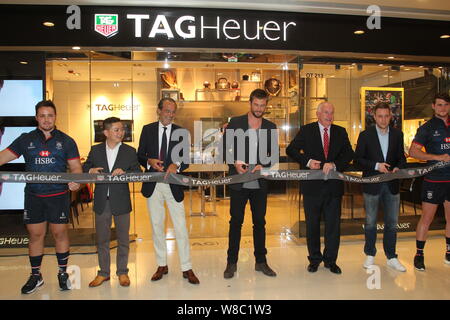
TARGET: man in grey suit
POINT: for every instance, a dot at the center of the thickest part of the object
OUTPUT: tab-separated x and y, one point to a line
112	200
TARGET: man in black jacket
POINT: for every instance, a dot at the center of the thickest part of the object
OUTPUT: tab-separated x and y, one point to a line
380	150
112	200
322	146
247	156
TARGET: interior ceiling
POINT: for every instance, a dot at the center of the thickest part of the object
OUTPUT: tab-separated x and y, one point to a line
416	9
142	71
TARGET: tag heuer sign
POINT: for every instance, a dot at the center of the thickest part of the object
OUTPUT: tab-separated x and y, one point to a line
106	24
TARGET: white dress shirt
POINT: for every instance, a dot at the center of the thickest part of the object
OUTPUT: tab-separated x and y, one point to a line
111	156
160	135
322	131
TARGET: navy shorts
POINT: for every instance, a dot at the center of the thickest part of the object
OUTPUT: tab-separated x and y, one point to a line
435	192
54	209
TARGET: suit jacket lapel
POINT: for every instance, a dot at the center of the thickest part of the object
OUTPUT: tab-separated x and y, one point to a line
373	138
391	143
317	137
155	135
118	158
104	158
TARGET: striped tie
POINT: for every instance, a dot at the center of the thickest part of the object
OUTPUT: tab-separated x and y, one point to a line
326	142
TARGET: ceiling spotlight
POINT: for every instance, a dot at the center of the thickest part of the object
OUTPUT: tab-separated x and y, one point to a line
391	57
359	32
23	62
159	49
380	65
48	24
445	36
76	48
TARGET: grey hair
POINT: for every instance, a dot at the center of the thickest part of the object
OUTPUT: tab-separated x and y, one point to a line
319	107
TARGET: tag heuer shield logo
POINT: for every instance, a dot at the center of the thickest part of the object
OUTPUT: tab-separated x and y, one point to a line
107	24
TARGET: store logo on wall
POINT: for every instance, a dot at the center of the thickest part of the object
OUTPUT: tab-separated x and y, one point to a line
107	24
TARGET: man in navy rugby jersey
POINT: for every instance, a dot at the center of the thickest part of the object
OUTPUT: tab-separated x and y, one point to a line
46	149
434	136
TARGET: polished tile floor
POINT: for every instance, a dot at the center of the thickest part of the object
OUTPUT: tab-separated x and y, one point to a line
286	255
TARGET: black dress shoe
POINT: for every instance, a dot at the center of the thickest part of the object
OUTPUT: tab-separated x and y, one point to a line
230	270
333	268
313	267
264	267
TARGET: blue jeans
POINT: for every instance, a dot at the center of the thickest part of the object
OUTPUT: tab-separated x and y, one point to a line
391	205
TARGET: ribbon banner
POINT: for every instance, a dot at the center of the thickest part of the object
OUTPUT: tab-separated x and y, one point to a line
292	175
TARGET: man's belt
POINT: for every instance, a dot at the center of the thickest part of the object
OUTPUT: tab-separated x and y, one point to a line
293	175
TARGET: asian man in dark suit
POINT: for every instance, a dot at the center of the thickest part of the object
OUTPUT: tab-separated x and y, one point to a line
155	154
112	200
323	146
380	150
253	191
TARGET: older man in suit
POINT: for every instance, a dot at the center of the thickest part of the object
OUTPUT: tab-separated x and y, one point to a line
155	154
323	146
112	200
380	150
253	191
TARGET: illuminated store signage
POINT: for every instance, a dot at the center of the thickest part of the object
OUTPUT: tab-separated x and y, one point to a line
140	27
190	27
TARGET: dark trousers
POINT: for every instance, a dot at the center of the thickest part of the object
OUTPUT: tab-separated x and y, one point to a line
331	208
258	203
103	228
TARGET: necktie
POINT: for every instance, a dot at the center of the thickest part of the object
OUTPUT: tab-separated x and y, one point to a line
163	150
326	142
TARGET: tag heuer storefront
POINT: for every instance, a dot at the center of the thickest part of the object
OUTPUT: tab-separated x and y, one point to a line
96	62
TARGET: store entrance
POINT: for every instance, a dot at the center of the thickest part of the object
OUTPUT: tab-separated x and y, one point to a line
209	90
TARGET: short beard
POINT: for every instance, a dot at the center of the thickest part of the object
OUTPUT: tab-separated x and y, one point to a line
262	113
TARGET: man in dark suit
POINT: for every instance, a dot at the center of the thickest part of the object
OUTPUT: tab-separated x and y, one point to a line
112	200
380	150
322	146
155	154
255	191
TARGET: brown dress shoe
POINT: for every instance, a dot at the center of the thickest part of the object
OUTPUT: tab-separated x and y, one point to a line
98	281
191	276
124	280
160	272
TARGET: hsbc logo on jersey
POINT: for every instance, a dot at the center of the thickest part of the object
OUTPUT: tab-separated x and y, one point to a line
46	159
44	153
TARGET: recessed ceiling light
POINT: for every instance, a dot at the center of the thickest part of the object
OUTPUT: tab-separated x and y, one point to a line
159	49
391	57
23	62
420	66
64	59
76	48
359	32
407	69
48	24
380	65
445	36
